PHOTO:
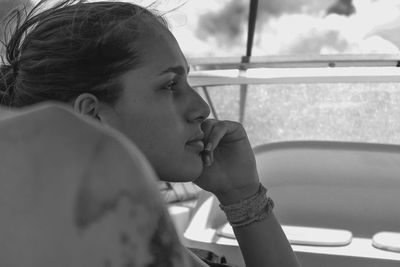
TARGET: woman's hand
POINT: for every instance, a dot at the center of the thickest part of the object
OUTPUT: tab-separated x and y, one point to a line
229	164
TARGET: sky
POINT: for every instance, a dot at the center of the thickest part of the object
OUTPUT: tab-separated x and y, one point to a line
303	29
284	27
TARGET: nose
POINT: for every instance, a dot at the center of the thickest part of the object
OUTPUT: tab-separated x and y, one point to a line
198	110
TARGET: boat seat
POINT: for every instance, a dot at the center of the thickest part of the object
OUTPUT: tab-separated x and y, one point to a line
339	185
331	198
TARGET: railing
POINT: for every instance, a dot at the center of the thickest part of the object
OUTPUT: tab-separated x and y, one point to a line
296	61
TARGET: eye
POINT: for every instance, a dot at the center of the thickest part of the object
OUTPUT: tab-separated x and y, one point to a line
170	85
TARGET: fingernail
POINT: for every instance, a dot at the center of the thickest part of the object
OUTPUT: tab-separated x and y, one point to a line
207	160
208	147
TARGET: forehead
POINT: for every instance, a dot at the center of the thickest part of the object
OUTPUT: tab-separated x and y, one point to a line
159	49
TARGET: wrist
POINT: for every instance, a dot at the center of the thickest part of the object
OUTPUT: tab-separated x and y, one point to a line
238	194
252	209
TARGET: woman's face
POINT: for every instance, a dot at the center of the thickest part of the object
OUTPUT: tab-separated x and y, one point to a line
161	113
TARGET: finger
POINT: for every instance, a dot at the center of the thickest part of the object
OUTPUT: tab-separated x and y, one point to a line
219	130
234	130
207	126
206	158
216	134
207	154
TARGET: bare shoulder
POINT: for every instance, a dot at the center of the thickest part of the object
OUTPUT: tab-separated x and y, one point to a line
77	192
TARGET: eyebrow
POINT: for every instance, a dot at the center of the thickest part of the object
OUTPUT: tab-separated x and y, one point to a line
180	70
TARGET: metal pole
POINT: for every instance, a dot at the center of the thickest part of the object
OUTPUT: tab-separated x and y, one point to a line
210	103
246	58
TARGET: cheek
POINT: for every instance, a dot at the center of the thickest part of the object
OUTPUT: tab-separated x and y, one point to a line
156	136
161	133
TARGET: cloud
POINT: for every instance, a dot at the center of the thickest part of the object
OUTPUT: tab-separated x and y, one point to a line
312	35
226	25
229	24
314	42
386	27
342	7
330	34
276	8
294	27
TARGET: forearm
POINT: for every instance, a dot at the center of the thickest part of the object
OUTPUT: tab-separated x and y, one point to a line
264	243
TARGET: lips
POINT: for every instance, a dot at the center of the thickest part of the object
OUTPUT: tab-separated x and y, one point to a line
196	142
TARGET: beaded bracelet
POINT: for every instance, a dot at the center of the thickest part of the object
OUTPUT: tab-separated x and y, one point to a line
253	209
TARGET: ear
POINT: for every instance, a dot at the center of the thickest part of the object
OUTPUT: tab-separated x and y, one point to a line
87	104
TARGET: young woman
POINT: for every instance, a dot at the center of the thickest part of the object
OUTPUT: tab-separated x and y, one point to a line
119	64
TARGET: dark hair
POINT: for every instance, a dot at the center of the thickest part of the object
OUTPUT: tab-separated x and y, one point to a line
71	48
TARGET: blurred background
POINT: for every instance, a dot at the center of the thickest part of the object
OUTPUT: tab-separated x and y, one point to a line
365	112
284	27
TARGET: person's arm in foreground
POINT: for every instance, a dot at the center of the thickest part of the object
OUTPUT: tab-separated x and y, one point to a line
230	173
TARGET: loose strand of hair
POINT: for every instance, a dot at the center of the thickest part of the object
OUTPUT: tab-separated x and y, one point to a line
25	20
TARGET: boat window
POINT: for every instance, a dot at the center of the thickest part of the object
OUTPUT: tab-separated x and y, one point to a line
364	112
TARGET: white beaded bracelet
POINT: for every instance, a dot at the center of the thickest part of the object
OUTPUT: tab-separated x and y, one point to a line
253	209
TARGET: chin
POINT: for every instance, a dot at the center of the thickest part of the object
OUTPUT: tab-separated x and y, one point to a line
183	173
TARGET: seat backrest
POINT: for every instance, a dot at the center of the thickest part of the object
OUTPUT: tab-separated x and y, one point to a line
352	186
